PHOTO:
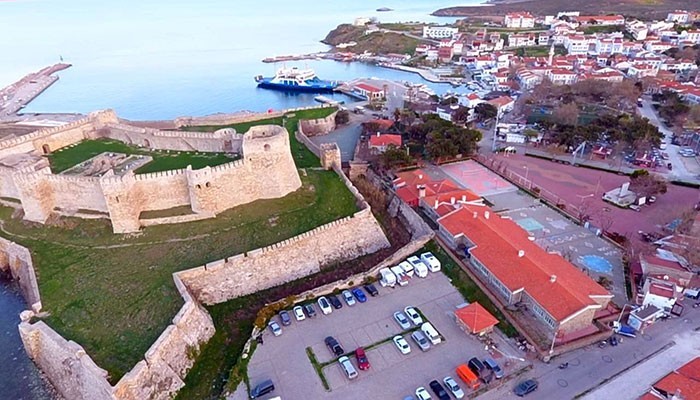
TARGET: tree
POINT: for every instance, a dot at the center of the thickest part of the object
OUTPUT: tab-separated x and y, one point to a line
461	115
646	184
408	117
485	111
394	157
342	117
397	115
566	114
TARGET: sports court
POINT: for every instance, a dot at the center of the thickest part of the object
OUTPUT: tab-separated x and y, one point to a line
477	178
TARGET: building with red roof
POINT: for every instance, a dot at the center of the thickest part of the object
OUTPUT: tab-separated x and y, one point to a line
417	189
369	91
475	319
380	143
683	383
517	270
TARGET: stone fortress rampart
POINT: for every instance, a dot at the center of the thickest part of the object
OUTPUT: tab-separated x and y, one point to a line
266	171
162	371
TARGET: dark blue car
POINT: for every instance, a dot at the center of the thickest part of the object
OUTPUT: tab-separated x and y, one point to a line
359	295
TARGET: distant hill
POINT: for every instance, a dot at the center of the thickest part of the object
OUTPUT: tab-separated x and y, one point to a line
377	42
646	9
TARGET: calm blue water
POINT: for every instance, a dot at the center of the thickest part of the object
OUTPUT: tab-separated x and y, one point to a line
157	59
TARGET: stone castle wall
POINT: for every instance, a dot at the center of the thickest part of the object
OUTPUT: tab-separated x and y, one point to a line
266	171
18	261
318	127
237	118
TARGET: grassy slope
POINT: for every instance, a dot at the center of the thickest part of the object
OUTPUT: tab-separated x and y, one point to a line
116	301
162	161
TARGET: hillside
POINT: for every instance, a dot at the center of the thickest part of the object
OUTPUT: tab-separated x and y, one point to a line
647	9
376	42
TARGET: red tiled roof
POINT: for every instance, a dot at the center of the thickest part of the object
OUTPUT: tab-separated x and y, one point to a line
661	290
689	388
662	263
501	101
559	287
476	317
385	140
691	369
649	396
368	88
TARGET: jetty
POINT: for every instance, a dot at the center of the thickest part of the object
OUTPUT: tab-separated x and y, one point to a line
16	96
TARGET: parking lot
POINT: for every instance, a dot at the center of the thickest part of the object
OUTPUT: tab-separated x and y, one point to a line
285	359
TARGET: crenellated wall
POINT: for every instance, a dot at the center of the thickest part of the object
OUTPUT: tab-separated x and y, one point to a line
266	171
318	127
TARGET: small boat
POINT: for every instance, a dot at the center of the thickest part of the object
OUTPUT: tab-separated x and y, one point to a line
384	9
296	80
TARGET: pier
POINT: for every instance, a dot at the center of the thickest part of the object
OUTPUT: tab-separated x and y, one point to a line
16	96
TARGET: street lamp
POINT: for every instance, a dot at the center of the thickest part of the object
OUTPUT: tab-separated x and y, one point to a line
527	171
495	129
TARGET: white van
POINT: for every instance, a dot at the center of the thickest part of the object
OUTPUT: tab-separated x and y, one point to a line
347	367
431	261
407	268
387	278
419	266
431	333
401	277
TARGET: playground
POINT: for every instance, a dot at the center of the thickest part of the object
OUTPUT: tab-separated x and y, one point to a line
478	179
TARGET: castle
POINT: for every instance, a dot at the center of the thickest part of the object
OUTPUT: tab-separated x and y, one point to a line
265	171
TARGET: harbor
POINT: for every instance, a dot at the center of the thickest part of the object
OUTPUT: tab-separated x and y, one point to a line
18	95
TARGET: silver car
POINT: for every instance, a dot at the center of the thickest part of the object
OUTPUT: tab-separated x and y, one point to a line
348	297
421	340
402	320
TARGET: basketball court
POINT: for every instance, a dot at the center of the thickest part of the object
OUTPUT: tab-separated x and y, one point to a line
478	179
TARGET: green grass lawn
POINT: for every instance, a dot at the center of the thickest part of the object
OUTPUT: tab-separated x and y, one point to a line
302	156
116	301
68	157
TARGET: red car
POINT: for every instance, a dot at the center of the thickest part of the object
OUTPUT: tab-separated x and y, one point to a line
362	361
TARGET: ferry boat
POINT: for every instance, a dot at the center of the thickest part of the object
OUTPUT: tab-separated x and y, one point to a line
296	80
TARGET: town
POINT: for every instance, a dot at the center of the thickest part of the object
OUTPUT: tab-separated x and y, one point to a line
532	230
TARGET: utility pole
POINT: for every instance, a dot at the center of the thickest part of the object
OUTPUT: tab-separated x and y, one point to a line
495	130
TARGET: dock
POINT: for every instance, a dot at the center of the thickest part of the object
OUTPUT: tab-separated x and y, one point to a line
16	96
326	100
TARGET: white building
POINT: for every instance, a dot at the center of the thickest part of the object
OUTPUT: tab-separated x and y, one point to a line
678	16
522	40
562	76
439	32
576	44
637	29
519	20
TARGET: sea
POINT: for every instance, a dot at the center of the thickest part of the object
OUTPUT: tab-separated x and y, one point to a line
158	59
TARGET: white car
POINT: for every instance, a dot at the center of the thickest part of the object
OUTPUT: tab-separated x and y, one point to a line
324	305
407	268
275	328
453	387
402	344
298	313
402	320
422	394
349	298
663	146
431	261
413	315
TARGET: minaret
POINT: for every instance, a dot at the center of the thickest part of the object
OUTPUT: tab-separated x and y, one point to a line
551	55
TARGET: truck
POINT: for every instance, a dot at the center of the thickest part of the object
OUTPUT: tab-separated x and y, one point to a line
387	278
623	330
401	276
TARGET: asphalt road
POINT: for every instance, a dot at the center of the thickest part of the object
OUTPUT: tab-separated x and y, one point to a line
590	366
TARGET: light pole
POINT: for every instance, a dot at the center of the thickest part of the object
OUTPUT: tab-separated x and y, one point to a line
527	171
495	129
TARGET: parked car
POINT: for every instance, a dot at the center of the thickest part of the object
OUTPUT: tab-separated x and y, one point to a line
275	328
491	364
413	315
324	305
420	268
372	290
334	346
422	394
335	302
349	299
476	365
359	295
453	387
284	317
407	268
402	344
421	340
263	388
525	387
298	313
431	333
362	360
309	310
439	391
402	320
347	367
431	261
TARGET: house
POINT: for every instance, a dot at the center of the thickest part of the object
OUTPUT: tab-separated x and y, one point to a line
561	298
522	39
445	54
642	317
641	71
692	96
519	20
637	29
562	77
439	32
661	294
607	74
503	104
683	383
368	91
576	44
680	17
600	20
380	143
665	269
475	319
416	188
